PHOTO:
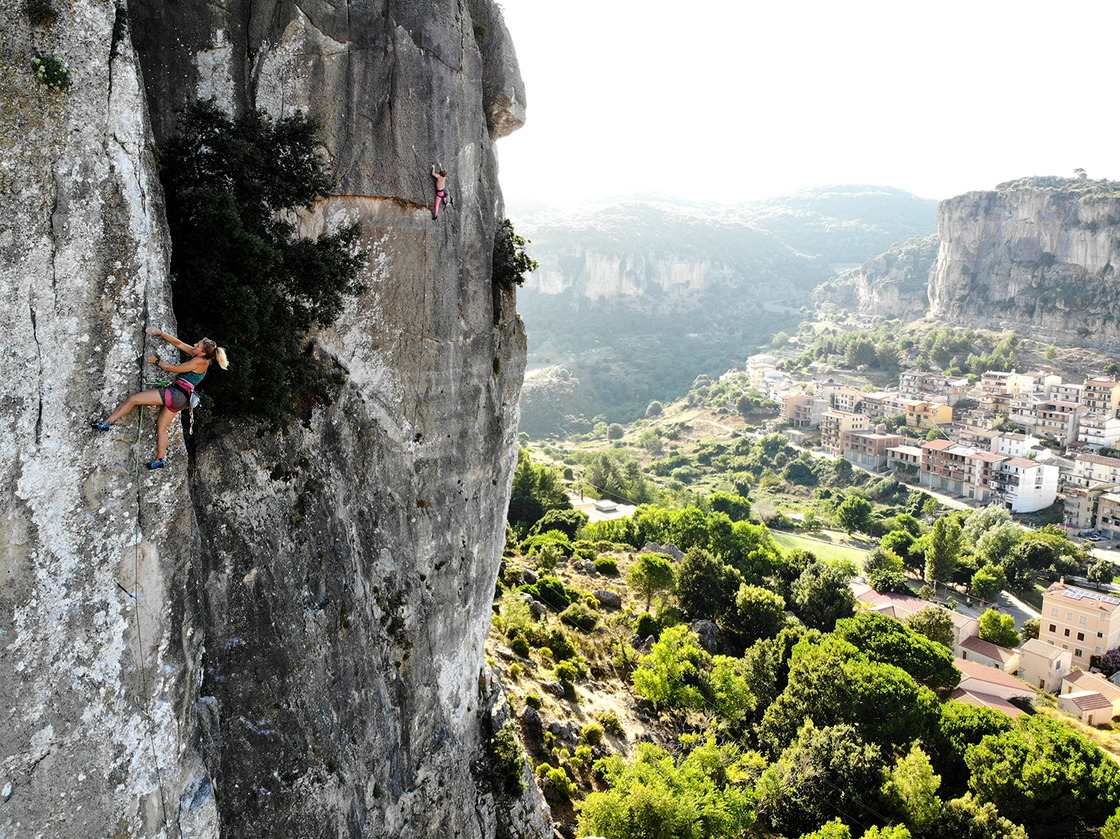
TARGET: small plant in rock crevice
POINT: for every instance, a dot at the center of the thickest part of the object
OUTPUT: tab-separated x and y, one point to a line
50	71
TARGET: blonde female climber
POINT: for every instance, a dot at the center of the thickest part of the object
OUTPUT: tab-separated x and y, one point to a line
176	396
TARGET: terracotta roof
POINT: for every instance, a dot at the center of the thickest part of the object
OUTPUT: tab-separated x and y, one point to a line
1087	700
1098	458
1084	680
987	648
1050	651
982	673
987	457
938	445
987	700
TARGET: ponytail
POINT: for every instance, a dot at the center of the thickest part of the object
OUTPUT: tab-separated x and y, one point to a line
215	353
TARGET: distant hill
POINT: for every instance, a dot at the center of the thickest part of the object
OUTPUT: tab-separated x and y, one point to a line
634	299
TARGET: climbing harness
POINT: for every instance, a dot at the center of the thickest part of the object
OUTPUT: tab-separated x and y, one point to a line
135	597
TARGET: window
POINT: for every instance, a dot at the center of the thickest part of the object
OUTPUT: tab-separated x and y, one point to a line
1082	620
1077	653
1080	636
1066	632
1053	611
1053	628
1069	616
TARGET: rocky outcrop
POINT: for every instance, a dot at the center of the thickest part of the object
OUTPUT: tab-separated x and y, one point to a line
893	284
284	639
98	641
1037	255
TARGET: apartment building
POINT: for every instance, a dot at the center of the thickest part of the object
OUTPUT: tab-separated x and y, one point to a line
1058	420
1090	469
1020	484
1101	396
924	415
1067	392
868	449
834	424
1098	430
905	459
999	382
1106	516
915	384
1086	623
1013	445
847	399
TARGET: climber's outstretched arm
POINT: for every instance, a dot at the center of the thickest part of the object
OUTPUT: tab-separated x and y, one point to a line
171	339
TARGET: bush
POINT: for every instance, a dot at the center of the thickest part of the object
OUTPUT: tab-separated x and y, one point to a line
611	723
509	759
580	616
607	565
559	782
592	734
646	625
240	274
51	72
510	262
533	701
520	646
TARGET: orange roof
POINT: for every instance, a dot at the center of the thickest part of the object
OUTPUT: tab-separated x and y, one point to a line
987	648
991	675
987	700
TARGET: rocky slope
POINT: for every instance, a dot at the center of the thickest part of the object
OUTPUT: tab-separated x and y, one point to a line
893	284
285	637
1037	255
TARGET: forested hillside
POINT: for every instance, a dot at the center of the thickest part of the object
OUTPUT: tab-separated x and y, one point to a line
632	301
702	667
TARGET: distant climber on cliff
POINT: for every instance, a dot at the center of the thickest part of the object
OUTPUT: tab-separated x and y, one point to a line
177	395
440	178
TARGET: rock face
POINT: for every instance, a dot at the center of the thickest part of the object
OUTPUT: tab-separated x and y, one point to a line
1037	255
98	644
893	284
285	638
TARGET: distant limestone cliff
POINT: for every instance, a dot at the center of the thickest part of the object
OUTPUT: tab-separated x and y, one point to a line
893	284
1038	255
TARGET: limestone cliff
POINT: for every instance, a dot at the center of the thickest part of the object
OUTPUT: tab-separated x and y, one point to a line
284	637
1037	255
893	284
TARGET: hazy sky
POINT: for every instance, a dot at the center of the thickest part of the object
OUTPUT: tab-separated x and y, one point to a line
742	99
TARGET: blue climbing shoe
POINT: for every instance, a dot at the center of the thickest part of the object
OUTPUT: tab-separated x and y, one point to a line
157	464
101	426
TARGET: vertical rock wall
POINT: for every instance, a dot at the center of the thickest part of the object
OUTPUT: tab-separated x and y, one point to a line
349	561
1038	255
96	697
284	639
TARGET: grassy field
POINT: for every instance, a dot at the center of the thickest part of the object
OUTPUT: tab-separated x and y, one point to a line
826	545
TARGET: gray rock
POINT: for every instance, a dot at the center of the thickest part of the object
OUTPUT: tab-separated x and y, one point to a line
555	688
708	633
538	609
608	599
529	576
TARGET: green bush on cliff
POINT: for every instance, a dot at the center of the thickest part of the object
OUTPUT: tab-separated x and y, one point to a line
240	273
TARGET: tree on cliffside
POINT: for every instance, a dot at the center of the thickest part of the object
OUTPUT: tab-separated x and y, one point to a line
240	272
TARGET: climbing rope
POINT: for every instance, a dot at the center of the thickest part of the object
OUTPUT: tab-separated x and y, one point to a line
135	596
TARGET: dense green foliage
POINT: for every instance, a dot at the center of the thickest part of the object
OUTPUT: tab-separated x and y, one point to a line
510	263
240	274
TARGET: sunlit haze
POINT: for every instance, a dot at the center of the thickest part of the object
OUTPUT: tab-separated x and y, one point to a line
737	100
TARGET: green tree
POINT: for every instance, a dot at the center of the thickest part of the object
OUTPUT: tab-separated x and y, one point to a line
654	409
821	596
987	582
998	629
889	641
706	793
911	787
1101	571
1048	775
823	772
934	623
979	522
510	263
967	818
944	549
240	273
853	514
734	505
706	585
758	613
615	431
651	575
960	727
997	543
671	675
1031	628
